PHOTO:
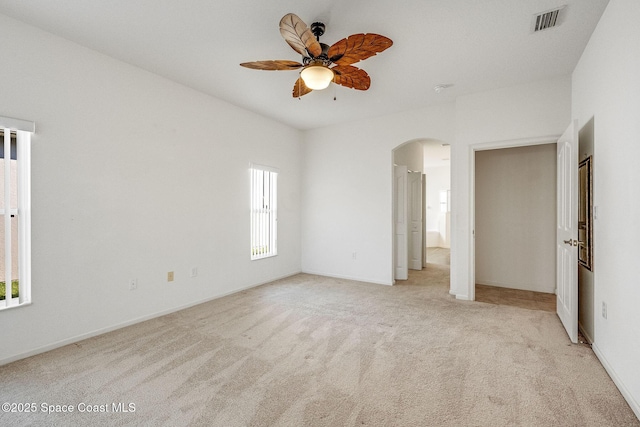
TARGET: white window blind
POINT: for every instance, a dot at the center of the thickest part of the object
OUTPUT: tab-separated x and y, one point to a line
15	212
264	211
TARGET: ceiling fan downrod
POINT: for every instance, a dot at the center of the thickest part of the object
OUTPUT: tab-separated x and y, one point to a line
317	28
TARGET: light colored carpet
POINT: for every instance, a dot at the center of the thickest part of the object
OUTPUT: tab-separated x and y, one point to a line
316	351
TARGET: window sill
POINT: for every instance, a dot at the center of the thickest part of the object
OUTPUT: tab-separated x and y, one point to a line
3	306
263	257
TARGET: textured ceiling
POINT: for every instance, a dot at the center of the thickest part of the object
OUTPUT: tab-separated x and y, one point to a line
475	45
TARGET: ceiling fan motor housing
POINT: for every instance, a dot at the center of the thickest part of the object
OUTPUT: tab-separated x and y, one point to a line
322	58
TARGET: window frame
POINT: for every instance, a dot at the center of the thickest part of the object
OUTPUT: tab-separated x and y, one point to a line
263	211
22	130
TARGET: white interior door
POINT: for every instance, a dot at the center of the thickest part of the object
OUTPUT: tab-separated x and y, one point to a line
400	218
414	183
424	220
567	231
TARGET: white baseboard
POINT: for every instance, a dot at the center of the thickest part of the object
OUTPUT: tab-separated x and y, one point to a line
584	334
354	278
635	406
101	331
514	286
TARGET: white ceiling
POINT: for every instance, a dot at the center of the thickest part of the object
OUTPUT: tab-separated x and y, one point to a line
475	45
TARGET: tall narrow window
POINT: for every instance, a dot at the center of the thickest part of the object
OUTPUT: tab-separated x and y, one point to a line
15	212
264	211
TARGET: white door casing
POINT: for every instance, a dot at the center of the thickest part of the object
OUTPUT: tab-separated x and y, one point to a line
400	218
567	231
415	220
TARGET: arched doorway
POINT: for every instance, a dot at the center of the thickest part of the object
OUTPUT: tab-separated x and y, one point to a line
421	205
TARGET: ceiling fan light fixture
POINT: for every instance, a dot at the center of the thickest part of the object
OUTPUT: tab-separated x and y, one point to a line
317	77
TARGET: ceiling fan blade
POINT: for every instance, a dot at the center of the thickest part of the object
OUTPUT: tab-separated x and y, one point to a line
299	36
280	64
351	77
300	89
358	47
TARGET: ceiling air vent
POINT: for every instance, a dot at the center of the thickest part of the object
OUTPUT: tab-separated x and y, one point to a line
546	20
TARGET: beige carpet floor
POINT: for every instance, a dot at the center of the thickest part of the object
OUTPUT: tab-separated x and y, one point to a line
316	351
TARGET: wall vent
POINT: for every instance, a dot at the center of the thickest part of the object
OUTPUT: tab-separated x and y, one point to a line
545	20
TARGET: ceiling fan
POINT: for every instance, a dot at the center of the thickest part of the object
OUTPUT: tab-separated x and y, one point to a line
323	64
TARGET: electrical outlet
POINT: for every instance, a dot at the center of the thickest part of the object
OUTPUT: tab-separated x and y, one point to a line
604	309
354	255
170	276
133	284
194	272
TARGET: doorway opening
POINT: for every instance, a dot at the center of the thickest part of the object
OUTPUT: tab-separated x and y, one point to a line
437	190
513	222
523	208
421	206
515	218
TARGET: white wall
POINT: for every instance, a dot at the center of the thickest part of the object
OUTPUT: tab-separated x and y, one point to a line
346	203
410	155
531	113
347	181
515	217
606	88
133	176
